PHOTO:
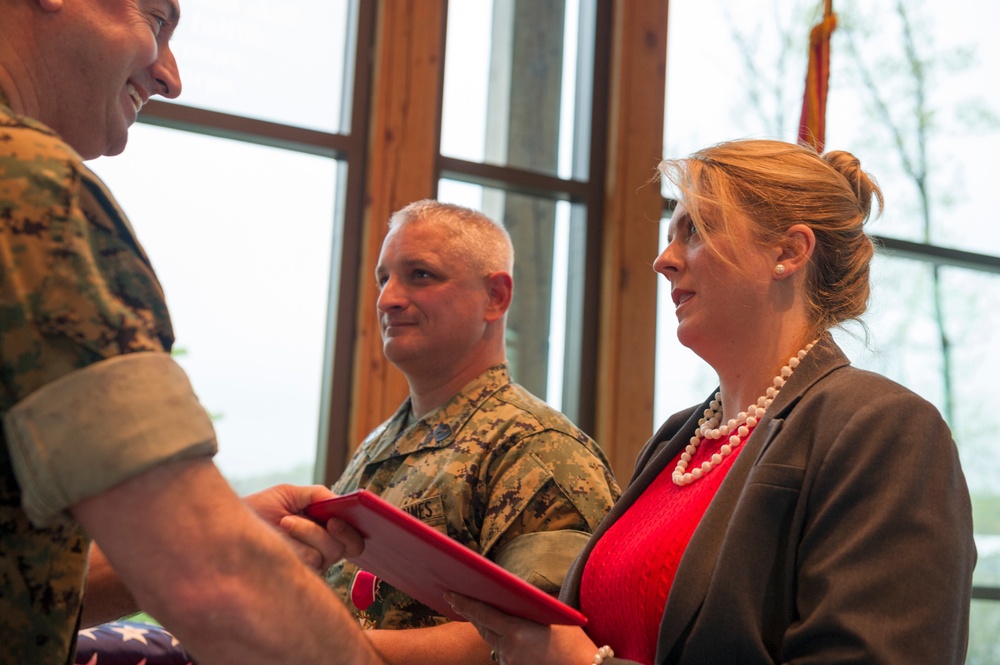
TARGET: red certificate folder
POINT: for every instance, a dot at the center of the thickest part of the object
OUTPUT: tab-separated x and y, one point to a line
424	563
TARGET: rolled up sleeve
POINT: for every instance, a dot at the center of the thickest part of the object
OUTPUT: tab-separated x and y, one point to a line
101	425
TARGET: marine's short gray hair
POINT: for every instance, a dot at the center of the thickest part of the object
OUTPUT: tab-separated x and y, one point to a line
483	241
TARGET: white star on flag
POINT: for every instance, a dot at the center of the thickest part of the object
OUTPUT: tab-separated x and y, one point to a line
131	633
88	632
173	640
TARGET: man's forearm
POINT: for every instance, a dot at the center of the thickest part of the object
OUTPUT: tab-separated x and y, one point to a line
106	598
228	586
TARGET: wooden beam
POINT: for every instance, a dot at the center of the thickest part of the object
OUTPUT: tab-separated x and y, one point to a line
627	345
401	169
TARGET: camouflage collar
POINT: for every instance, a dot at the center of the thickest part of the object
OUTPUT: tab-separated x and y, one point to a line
436	429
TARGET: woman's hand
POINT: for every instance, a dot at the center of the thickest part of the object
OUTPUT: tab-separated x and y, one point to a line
519	642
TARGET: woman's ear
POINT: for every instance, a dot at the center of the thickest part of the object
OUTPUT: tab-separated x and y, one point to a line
796	251
500	289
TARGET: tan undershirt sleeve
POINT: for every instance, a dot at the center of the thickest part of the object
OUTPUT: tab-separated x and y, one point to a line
101	425
542	558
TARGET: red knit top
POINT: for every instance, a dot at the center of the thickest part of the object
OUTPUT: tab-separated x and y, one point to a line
629	573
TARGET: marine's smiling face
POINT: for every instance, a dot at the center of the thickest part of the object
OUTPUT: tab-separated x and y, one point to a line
431	304
113	55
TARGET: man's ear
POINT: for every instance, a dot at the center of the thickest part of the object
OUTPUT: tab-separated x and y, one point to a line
500	289
796	250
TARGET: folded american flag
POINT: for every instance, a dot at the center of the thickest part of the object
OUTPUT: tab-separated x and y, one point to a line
129	643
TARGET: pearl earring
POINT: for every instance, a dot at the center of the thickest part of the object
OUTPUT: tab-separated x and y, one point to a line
779	269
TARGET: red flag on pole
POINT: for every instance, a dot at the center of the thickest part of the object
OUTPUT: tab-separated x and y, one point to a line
812	124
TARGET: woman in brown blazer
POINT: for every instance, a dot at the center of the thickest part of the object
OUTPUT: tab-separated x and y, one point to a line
809	511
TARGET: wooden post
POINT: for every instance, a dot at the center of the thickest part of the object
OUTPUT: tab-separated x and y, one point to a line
633	207
401	169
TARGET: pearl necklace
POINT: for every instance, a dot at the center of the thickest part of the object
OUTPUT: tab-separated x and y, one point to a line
709	428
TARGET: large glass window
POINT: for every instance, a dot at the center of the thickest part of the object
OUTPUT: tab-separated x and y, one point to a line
241	239
282	62
906	97
515	142
518	78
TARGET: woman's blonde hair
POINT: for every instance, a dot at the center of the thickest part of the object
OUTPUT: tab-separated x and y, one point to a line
766	187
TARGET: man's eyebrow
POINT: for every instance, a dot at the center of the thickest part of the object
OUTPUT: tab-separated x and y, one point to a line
173	12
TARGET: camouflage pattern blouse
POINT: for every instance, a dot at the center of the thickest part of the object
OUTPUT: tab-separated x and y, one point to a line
75	288
493	464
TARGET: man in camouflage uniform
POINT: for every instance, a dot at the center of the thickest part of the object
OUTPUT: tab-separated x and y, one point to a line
103	437
469	452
